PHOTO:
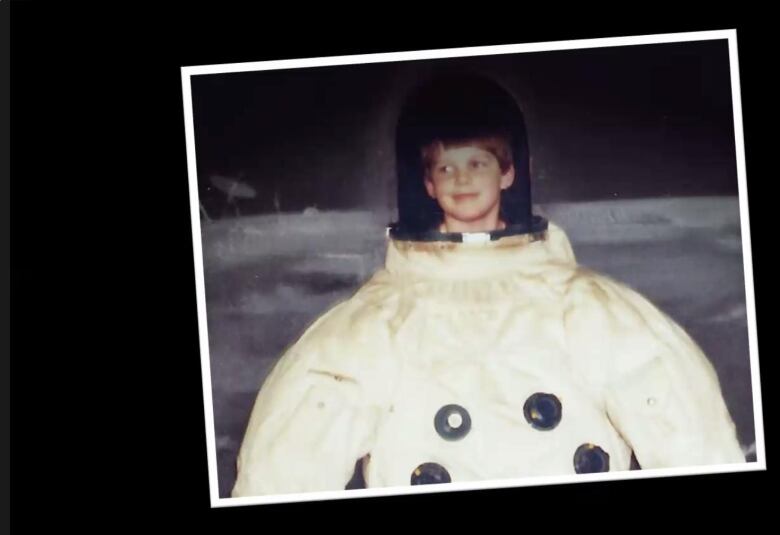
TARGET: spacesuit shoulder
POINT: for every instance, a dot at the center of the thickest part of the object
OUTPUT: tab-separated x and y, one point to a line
660	389
347	342
607	319
313	417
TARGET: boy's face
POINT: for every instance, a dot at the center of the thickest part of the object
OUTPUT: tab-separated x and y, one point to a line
467	181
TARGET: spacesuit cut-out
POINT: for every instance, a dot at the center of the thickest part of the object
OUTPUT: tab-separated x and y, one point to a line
481	358
486	329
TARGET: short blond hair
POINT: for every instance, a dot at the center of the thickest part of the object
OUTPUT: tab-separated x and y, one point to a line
498	146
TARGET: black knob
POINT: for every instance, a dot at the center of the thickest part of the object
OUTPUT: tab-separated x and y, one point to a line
590	458
430	474
452	422
543	411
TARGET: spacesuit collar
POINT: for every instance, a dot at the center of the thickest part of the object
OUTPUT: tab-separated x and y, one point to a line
536	226
477	256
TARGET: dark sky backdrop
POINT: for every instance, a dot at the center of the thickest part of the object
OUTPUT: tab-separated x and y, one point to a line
618	122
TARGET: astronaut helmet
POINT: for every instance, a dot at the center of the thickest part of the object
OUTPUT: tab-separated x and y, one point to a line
452	108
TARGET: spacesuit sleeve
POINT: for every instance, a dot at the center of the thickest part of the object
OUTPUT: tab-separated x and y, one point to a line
311	420
661	392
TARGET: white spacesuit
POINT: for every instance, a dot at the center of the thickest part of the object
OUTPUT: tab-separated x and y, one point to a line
484	360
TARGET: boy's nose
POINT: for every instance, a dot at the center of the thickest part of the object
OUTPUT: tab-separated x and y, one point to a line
462	176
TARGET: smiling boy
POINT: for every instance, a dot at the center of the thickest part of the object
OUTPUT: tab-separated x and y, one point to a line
466	182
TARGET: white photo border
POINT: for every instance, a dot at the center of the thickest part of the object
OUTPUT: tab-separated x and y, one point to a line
188	71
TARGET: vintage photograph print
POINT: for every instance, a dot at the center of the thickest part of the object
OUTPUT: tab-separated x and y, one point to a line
473	268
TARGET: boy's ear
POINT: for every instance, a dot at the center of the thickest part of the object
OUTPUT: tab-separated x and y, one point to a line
429	187
508	178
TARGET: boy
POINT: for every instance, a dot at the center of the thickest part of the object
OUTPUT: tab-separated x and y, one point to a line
482	350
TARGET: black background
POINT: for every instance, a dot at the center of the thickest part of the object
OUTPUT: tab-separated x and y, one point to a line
108	423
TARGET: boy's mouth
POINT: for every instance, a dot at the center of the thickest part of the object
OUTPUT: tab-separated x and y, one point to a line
464	196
